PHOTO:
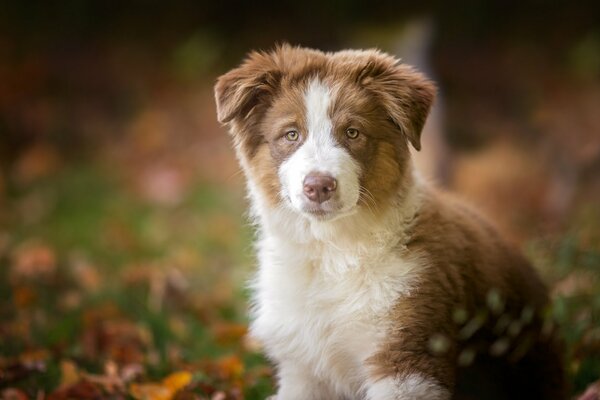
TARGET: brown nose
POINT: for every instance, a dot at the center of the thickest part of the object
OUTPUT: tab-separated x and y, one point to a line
319	188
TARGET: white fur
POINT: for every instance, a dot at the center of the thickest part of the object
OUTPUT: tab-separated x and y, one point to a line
411	387
320	304
323	288
319	153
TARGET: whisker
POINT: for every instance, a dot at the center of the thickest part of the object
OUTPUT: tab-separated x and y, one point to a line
372	199
368	195
369	200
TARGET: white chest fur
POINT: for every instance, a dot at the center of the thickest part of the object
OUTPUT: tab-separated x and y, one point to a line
323	308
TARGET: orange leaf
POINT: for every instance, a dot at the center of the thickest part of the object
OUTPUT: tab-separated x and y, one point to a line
24	296
69	373
150	391
33	259
230	367
228	333
161	391
177	380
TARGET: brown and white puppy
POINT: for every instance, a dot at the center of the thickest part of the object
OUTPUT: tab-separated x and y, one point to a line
371	284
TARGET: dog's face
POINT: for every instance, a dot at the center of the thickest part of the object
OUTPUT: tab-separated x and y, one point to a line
324	134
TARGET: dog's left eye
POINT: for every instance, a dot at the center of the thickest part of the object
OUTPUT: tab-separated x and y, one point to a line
352	133
292	136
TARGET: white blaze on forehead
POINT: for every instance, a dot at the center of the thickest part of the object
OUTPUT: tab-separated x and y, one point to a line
320	153
317	100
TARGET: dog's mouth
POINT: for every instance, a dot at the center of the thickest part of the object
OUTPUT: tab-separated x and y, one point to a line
318	212
326	212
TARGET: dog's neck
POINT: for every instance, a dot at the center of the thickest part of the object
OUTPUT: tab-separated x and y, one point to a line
365	230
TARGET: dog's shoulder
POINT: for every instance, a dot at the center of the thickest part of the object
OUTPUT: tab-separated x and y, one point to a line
462	246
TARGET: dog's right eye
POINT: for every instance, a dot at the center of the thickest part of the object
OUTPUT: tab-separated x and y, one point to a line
292	136
352	133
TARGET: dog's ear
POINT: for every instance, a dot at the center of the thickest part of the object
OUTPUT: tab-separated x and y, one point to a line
405	94
242	89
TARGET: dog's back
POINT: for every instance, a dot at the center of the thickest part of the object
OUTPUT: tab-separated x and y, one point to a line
507	344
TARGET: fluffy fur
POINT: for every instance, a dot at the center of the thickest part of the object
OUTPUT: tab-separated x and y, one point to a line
388	290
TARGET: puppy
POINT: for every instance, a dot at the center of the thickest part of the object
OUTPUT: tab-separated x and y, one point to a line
371	284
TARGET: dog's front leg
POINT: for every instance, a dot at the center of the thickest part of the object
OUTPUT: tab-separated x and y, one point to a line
296	383
404	367
409	387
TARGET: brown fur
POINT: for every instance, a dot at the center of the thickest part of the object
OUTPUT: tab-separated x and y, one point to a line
474	272
477	294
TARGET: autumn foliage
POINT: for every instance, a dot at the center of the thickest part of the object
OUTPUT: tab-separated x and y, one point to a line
124	244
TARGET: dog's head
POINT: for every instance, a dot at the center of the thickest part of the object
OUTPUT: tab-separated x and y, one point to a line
324	133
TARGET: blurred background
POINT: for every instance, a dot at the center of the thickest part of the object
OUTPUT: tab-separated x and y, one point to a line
124	247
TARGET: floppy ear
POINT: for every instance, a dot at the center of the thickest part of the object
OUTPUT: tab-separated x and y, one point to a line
405	93
240	90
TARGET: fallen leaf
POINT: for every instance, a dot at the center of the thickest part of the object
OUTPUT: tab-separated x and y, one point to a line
219	396
163	184
110	381
230	367
69	375
150	391
130	372
37	161
229	333
86	275
177	380
575	283
31	357
24	296
117	339
83	390
33	260
13	394
164	390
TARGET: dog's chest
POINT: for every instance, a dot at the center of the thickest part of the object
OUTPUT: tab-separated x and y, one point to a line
326	310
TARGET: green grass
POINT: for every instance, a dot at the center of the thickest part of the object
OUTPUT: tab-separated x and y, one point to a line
170	281
124	242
